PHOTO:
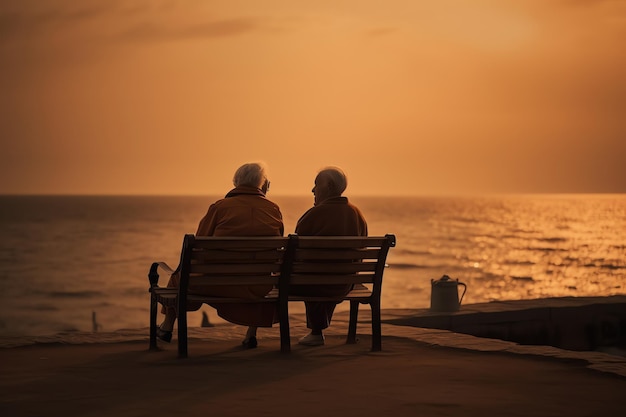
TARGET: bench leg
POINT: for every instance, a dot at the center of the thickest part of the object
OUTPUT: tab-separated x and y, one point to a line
285	336
182	333
354	315
376	330
153	325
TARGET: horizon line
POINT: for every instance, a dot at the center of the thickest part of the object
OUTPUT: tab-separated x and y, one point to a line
364	195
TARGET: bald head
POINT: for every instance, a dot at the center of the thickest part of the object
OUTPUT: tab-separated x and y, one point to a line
336	179
330	182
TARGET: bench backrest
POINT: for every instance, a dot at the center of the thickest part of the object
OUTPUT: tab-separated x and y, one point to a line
320	260
301	260
231	260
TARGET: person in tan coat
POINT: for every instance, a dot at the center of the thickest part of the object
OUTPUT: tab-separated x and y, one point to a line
244	211
331	215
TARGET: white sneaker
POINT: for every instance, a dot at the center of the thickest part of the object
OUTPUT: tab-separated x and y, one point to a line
312	340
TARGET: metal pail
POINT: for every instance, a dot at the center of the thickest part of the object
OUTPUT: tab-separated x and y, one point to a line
445	294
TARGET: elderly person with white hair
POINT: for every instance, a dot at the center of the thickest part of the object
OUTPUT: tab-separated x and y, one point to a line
331	215
244	211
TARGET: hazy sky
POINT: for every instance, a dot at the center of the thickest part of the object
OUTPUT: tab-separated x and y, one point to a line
408	96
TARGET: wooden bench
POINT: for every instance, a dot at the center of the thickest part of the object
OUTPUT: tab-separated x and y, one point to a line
360	261
281	262
216	261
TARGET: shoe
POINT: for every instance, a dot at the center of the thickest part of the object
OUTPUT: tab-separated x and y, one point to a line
164	335
312	340
249	343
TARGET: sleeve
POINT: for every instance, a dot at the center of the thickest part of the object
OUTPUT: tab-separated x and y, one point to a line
362	223
305	225
280	219
208	222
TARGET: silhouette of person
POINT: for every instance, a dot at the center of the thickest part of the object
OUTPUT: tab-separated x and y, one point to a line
331	215
244	211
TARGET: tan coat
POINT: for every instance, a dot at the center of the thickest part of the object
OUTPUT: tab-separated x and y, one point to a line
245	211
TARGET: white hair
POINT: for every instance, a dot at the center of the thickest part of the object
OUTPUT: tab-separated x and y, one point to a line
253	174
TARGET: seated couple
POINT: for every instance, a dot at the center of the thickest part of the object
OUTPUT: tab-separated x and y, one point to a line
331	215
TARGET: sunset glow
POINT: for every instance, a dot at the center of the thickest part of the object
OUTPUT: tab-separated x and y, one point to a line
446	97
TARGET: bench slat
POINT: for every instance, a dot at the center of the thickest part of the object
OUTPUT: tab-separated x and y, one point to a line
170	299
331	279
331	242
234	269
236	256
227	300
209	280
250	243
333	268
336	254
272	296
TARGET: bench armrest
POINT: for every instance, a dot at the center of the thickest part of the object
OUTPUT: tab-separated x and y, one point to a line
153	275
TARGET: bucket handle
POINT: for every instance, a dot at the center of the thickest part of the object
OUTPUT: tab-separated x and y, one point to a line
464	289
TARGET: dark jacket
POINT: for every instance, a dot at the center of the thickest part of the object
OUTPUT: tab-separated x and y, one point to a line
332	217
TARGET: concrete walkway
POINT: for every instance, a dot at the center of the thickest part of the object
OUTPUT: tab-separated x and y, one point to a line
420	371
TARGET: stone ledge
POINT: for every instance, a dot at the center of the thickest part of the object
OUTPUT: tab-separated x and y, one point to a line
574	323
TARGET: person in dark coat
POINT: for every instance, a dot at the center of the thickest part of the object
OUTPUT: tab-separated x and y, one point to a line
331	215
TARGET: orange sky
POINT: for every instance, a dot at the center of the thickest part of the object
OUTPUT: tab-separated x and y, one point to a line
409	97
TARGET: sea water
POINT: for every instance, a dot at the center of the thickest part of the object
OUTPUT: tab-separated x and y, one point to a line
80	263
